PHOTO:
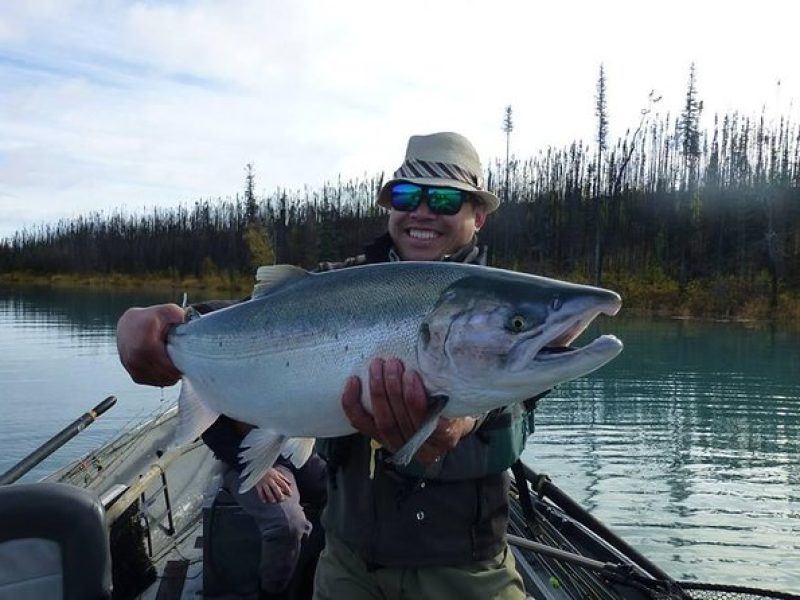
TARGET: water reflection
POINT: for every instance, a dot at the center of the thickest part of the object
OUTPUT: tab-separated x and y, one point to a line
688	446
79	311
57	360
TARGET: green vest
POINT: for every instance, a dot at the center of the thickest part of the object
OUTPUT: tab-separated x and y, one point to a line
492	448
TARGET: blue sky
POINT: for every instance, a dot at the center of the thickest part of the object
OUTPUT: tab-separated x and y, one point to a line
131	104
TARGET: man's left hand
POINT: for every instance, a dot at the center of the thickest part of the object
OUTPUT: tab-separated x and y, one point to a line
399	407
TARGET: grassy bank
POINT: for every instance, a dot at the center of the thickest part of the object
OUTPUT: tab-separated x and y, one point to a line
723	297
218	285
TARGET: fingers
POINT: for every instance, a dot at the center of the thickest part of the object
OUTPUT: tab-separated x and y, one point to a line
354	410
282	484
274	486
395	380
386	394
142	343
416	399
381	424
265	493
444	438
437	444
399	407
427	455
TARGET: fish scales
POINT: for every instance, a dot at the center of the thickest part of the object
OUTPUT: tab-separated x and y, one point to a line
478	336
319	328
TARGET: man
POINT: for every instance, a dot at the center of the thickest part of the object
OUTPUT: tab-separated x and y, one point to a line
279	503
434	529
437	528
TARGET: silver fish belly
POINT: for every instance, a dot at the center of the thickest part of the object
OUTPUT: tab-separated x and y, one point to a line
479	337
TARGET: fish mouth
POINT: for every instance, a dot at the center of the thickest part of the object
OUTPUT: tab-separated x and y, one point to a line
548	350
561	340
605	344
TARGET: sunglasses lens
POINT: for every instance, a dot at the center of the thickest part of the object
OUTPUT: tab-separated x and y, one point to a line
406	196
445	201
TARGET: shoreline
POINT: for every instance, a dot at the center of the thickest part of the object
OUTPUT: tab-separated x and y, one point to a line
237	285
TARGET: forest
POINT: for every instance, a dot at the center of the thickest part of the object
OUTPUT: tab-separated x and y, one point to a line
678	218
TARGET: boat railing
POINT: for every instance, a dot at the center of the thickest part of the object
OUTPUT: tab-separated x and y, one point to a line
558	537
108	497
157	470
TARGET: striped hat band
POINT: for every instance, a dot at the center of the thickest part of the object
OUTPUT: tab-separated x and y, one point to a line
412	168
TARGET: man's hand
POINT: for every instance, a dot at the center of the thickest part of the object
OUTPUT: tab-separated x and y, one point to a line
399	407
142	343
274	486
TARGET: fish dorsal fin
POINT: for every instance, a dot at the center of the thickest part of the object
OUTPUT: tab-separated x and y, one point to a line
271	277
190	313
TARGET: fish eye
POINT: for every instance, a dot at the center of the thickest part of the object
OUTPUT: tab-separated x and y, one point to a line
517	323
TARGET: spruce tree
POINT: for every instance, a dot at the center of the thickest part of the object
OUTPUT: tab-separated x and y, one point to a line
508	127
251	207
601	112
689	131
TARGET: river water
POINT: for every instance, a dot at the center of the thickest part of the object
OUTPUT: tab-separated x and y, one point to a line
687	445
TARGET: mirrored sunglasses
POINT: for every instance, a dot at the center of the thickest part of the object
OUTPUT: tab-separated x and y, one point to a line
407	197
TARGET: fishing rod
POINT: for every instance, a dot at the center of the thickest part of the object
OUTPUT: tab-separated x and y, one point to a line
55	442
640	573
544	487
577	559
633	575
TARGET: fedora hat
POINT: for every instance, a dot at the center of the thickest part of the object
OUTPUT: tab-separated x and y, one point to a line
443	159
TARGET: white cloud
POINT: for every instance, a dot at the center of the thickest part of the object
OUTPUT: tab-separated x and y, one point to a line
141	103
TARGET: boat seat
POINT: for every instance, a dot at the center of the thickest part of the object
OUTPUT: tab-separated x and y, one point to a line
231	548
53	543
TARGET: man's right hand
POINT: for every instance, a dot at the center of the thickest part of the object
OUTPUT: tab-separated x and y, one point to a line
142	343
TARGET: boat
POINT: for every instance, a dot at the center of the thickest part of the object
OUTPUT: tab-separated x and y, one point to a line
138	518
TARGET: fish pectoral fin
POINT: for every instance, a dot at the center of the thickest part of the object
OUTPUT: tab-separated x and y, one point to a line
404	455
298	450
259	451
194	417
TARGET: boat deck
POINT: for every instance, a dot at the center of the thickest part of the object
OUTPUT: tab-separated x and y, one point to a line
155	496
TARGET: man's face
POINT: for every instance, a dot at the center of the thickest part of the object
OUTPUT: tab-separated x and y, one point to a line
423	235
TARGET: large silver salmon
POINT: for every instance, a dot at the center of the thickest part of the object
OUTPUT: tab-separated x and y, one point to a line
481	338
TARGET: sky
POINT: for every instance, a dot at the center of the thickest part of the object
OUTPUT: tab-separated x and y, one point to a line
108	105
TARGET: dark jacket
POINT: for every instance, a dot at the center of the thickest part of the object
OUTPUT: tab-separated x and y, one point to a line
452	513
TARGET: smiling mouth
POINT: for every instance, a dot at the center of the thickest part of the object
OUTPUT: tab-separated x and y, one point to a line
422	234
